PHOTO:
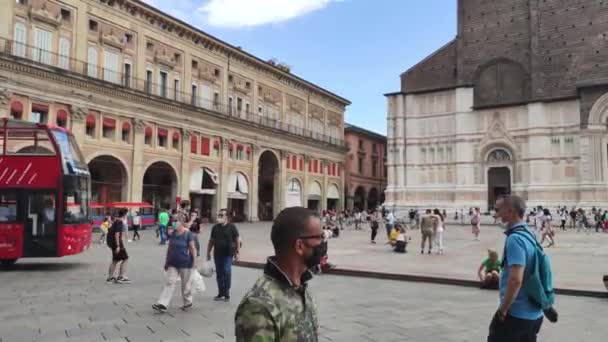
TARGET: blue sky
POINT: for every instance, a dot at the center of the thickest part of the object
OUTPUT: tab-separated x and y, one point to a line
355	48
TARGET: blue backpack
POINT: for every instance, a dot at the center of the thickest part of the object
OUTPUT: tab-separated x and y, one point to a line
539	285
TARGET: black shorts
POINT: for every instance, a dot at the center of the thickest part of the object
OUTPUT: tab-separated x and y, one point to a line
121	255
136	227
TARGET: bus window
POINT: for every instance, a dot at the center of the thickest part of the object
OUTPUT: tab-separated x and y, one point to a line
25	141
73	160
8	206
76	205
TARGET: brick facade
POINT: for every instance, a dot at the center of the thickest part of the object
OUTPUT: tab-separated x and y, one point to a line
559	48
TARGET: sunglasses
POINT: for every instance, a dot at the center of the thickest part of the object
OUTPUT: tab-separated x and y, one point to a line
220	215
310	237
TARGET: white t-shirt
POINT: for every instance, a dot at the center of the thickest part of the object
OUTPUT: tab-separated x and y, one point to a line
136	220
358	216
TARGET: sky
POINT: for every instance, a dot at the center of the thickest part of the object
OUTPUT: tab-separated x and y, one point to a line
354	48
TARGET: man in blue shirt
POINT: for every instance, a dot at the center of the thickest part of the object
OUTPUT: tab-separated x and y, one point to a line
517	318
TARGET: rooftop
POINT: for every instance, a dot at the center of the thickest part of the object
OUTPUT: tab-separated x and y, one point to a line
360	130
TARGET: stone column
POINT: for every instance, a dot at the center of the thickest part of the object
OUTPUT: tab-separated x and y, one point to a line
137	168
305	185
279	194
324	164
253	187
5	100
77	119
342	204
185	165
224	175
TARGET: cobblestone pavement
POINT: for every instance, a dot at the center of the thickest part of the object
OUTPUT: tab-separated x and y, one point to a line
579	260
67	300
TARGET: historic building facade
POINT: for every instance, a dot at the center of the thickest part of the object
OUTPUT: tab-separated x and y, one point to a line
516	103
164	111
365	180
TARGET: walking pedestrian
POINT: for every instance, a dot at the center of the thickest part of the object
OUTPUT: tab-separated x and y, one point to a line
358	220
547	228
196	226
375	224
224	242
563	216
439	231
179	263
280	307
517	318
390	222
119	252
476	223
163	222
428	225
105	227
136	226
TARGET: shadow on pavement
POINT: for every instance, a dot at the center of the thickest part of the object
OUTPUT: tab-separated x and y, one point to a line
42	267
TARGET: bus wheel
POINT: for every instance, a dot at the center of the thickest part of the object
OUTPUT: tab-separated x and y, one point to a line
8	262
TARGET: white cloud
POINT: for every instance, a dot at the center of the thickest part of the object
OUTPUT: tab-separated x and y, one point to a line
249	13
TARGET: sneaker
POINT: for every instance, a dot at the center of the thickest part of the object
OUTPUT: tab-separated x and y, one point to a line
110	280
429	252
218	298
226	298
123	280
129	240
159	308
186	307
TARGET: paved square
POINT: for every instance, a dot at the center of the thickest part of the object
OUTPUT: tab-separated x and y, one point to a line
68	300
579	260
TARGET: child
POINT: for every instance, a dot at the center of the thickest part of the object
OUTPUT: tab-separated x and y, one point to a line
392	239
489	270
401	241
105	225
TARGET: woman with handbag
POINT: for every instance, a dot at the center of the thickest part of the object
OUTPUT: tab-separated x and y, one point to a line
179	265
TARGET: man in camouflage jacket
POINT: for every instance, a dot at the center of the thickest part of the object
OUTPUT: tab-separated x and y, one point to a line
279	307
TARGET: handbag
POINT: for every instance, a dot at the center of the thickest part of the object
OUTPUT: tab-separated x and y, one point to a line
207	270
197	282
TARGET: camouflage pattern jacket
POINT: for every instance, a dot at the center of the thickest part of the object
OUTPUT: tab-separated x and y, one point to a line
276	311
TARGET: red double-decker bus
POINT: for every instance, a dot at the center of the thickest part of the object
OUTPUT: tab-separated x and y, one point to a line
44	192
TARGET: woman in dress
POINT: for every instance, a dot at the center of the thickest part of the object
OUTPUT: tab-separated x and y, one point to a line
475	223
439	231
547	228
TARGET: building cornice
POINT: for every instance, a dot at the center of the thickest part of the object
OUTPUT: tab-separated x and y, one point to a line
118	92
208	42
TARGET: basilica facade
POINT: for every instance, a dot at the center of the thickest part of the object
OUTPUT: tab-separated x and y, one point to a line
517	103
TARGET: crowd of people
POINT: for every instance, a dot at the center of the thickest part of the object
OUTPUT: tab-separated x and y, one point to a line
301	243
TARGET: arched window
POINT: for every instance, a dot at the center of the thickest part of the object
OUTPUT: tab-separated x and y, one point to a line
499	155
20	40
501	81
92	62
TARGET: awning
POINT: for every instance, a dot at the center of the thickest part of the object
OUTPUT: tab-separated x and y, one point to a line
175	135
40	108
148	131
239	147
129	205
230	146
109	123
197	183
162	132
333	192
91	120
16	107
238	185
314	191
214	177
126	126
196	180
62	115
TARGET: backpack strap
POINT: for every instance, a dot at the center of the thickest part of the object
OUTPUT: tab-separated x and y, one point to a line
524	233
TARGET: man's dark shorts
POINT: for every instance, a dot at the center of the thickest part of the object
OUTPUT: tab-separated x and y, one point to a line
121	255
514	329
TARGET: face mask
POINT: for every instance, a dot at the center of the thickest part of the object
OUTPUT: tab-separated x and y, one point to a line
318	252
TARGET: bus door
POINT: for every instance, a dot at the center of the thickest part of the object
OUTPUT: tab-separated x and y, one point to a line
40	224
